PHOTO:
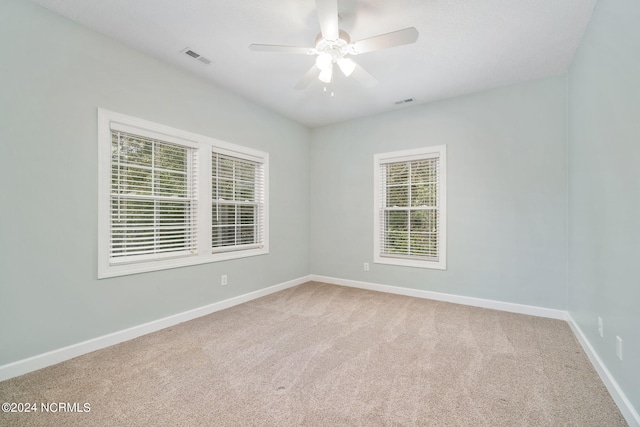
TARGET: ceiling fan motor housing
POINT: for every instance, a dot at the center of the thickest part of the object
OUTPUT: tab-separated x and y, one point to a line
330	51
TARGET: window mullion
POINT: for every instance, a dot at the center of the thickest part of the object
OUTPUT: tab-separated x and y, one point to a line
204	214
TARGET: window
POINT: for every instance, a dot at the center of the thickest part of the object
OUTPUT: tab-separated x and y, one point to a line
155	183
152	200
237	203
410	208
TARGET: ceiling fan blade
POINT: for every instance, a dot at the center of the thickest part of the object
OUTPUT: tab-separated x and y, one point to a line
384	41
363	76
308	78
328	16
347	65
282	49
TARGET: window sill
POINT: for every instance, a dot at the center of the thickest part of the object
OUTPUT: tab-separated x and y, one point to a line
411	262
115	270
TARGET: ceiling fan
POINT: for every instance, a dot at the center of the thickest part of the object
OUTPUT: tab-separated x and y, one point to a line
334	46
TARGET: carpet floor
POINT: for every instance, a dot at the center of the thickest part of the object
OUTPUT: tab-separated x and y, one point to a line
325	355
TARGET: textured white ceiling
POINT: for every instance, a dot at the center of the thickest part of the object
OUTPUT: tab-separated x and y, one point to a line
464	46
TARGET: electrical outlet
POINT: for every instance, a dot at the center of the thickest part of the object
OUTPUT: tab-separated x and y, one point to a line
223	280
619	347
600	327
366	266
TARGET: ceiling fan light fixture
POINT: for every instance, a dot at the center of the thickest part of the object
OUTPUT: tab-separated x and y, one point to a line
347	66
324	61
326	75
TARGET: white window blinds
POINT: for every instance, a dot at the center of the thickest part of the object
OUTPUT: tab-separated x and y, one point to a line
237	188
171	198
153	204
410	211
409	222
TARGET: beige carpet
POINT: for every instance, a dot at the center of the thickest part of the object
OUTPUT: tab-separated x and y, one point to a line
324	355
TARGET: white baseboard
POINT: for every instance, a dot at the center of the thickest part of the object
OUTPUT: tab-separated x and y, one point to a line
456	299
624	404
40	361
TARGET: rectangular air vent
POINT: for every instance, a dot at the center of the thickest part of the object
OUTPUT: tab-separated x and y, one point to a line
404	101
196	55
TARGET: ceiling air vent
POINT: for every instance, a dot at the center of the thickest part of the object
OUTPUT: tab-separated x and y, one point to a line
404	101
196	55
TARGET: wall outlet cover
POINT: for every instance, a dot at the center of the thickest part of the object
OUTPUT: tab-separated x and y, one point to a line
600	327
619	347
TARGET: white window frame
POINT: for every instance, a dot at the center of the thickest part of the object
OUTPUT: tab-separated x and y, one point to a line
406	156
205	146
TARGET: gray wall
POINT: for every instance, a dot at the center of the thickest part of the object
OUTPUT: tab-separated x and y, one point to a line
507	193
604	187
54	75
